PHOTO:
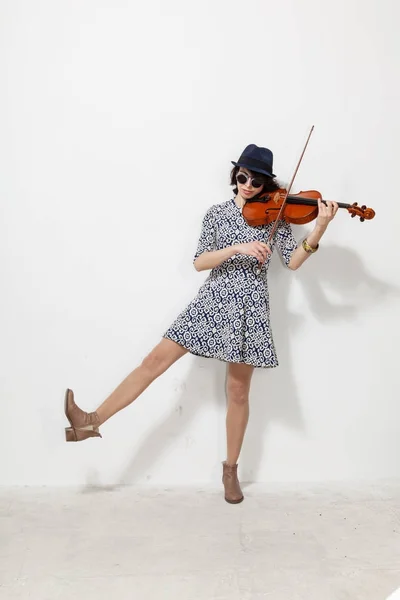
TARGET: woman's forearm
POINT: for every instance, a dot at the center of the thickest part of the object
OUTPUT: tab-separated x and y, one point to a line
326	212
209	260
299	256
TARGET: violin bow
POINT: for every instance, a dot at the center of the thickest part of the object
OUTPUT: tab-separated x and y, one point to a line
289	188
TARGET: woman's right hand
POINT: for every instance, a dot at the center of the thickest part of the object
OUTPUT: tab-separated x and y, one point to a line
257	249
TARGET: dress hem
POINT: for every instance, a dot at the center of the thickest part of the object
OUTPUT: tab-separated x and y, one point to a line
226	360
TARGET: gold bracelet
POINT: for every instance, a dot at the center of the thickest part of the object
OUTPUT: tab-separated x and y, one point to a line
308	248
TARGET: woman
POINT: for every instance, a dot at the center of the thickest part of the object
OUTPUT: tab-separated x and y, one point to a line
229	317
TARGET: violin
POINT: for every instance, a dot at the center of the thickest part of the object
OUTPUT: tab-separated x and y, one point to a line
298	208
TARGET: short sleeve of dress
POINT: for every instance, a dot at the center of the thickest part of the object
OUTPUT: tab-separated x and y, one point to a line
207	239
285	241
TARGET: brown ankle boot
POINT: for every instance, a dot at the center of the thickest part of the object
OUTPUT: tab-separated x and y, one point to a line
83	424
233	493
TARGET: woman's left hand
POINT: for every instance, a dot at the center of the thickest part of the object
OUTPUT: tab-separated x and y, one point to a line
326	212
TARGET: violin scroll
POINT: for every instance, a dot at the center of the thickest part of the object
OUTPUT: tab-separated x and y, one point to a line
361	211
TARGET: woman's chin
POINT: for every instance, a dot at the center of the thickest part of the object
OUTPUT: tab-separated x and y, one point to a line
246	196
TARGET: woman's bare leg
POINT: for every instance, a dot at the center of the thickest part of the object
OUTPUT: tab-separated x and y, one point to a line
237	416
237	388
157	362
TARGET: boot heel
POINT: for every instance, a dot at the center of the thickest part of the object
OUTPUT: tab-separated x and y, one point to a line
78	435
70	435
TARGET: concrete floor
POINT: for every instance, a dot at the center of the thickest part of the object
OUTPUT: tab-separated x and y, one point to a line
283	542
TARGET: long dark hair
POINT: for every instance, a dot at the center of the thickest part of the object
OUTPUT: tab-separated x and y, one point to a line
269	183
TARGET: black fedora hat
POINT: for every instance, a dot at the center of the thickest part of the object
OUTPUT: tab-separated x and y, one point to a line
256	159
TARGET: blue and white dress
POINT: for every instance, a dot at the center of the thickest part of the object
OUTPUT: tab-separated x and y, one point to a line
229	319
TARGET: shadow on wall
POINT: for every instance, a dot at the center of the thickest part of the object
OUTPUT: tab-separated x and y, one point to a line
272	398
276	398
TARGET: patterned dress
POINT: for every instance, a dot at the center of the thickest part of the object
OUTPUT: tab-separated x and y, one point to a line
229	319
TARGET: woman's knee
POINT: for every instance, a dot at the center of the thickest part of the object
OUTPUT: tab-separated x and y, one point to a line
238	383
162	357
237	392
152	364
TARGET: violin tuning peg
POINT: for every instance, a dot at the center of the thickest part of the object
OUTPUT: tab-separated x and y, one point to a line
362	219
353	215
363	207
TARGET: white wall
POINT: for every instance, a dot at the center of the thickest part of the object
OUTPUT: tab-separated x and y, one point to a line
119	121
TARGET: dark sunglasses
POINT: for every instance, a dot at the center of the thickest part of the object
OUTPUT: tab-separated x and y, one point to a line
243	178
